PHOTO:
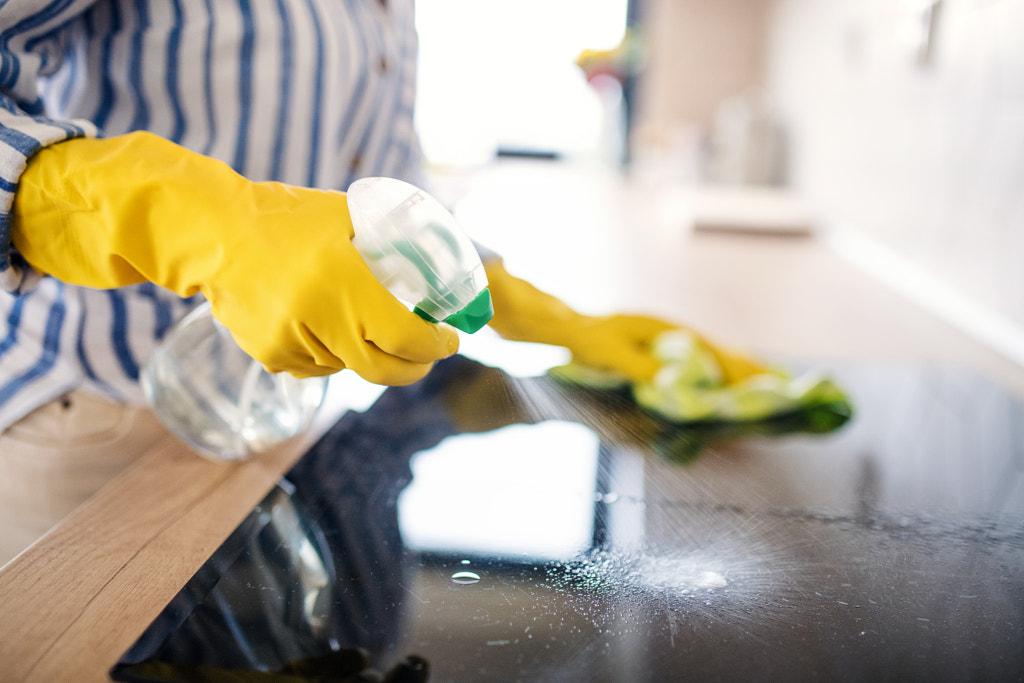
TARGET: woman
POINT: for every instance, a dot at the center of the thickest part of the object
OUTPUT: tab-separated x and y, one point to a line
147	144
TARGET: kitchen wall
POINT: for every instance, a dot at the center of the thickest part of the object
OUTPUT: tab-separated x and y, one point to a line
699	53
907	124
904	122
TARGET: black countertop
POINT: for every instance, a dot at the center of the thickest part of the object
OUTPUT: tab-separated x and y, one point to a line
479	526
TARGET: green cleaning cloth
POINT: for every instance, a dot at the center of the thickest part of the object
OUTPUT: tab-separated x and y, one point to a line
690	387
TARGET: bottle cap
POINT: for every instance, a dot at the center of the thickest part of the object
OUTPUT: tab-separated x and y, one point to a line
470	319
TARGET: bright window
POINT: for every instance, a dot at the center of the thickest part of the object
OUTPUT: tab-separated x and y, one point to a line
502	75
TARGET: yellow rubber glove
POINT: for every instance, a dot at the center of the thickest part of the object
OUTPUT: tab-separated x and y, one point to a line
620	344
276	262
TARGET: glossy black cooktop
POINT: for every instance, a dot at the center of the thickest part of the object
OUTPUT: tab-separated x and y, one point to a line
477	526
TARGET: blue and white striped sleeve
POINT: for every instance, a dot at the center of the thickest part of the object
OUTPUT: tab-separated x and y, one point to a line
29	48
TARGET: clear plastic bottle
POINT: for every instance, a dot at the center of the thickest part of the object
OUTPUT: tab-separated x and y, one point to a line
223	404
217	399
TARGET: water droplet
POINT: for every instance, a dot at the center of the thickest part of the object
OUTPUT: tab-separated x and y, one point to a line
465	577
464	562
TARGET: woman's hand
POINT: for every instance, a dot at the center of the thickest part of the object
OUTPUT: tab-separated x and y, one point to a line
620	344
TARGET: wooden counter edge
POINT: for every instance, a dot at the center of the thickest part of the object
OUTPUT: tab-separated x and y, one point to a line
101	559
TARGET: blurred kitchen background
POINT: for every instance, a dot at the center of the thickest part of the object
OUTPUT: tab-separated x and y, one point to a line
893	130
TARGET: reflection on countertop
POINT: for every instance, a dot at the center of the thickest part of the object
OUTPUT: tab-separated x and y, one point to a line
480	526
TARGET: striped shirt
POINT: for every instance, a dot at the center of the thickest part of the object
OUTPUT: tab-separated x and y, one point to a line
308	92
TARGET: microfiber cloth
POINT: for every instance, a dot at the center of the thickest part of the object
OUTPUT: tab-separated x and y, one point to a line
691	387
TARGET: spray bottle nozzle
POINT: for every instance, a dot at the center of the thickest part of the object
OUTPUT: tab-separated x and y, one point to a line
417	250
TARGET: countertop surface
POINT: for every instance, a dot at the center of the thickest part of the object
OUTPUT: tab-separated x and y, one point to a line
489	527
498	524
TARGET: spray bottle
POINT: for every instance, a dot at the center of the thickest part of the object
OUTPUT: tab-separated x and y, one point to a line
223	404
